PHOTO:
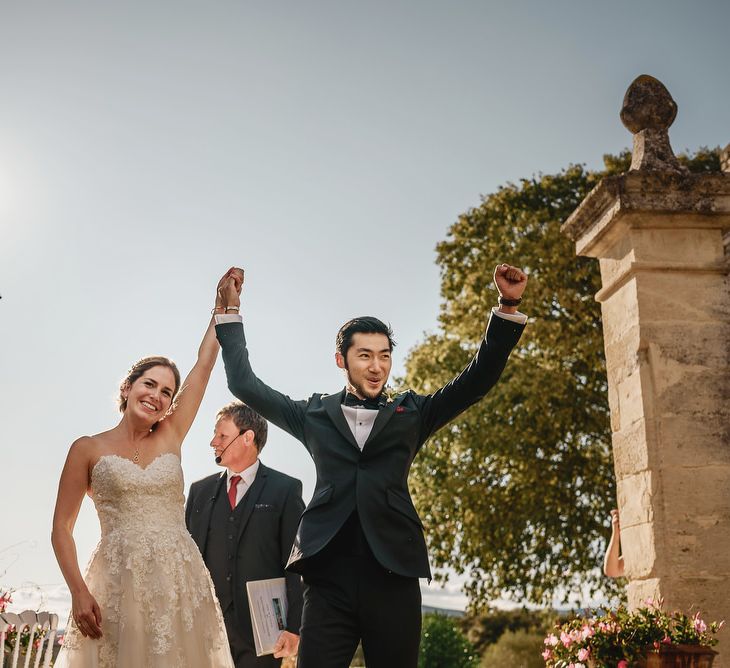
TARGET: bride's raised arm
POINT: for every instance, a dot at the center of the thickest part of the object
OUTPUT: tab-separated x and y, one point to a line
185	407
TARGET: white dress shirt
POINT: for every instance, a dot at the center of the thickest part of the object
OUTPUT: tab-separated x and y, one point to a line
360	421
247	477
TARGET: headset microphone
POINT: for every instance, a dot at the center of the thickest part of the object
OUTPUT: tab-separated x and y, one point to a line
219	458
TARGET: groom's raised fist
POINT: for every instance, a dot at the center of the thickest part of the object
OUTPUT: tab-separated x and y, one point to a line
510	281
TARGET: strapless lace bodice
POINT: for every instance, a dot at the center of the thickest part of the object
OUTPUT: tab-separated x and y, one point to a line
157	600
138	501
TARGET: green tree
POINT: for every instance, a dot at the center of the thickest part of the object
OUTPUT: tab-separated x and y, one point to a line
516	491
487	627
516	649
443	645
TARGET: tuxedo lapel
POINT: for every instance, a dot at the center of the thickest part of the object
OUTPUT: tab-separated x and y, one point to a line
208	496
251	497
333	405
384	415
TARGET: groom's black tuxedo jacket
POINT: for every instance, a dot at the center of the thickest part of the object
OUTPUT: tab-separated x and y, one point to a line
270	509
374	481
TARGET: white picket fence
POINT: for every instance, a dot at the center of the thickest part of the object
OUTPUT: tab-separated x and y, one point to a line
35	623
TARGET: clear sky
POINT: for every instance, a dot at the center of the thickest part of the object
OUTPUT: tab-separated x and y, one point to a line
325	146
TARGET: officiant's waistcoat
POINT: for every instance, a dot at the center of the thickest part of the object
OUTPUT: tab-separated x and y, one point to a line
221	546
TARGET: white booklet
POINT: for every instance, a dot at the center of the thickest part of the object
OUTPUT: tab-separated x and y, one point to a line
268	605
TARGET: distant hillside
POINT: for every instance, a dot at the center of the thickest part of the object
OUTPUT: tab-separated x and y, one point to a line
442	611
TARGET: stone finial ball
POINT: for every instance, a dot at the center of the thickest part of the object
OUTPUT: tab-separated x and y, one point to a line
648	105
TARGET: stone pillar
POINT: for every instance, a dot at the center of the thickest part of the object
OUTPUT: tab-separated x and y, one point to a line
658	234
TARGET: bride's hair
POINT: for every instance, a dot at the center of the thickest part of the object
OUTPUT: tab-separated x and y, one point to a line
138	369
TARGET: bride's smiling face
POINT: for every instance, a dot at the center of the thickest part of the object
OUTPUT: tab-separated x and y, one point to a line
149	397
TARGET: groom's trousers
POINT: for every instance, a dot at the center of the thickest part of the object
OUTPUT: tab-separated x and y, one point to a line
348	597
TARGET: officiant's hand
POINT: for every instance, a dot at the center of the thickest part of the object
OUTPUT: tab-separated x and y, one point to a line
286	645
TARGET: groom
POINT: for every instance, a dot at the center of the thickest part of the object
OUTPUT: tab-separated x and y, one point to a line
360	545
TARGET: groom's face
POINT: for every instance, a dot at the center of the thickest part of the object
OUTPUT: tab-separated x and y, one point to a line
367	364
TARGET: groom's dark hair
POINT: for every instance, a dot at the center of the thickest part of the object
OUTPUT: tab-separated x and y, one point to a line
245	418
366	324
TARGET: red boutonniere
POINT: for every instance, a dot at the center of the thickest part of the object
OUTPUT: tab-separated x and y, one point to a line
400	409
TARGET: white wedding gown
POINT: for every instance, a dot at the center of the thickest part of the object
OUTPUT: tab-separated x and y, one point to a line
158	605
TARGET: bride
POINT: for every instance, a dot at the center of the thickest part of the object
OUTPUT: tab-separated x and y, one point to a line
147	598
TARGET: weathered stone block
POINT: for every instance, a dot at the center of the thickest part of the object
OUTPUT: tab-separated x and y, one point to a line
680	245
613	406
692	539
630	450
698	296
636	496
682	389
635	398
641	591
622	355
638	547
685	440
696	493
620	313
702	344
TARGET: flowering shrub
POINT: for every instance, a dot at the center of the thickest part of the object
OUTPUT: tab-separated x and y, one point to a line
618	638
5	599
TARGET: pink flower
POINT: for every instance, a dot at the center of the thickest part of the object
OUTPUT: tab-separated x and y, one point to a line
552	640
583	654
587	632
622	664
607	627
667	640
699	625
547	654
566	639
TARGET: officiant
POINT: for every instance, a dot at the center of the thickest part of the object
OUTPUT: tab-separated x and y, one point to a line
244	521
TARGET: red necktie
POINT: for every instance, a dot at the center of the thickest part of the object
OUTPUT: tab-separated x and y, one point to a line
232	490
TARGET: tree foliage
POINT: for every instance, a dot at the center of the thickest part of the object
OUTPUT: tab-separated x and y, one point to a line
443	645
516	491
487	627
517	649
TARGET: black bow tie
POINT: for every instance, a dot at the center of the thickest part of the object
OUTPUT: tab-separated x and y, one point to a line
355	402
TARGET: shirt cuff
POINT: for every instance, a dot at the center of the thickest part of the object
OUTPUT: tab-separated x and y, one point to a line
223	318
519	318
